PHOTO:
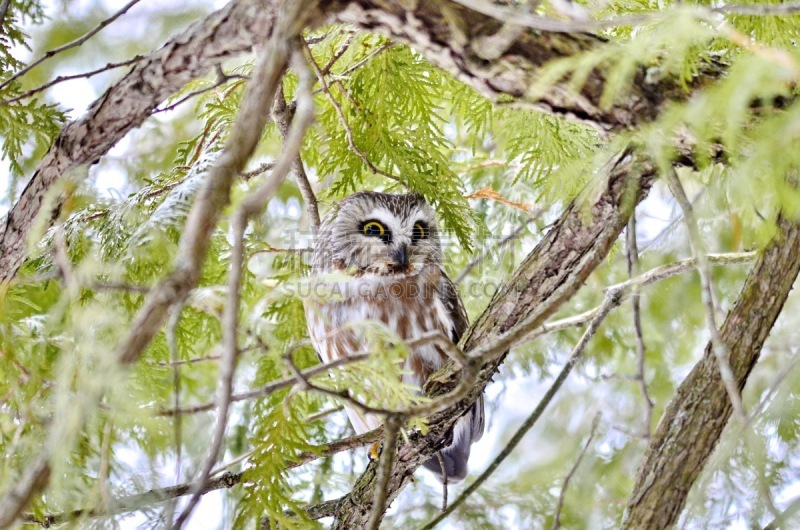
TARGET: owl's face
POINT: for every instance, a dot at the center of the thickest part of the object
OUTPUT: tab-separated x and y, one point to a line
379	233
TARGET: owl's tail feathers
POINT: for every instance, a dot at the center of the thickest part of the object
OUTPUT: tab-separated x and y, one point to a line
468	429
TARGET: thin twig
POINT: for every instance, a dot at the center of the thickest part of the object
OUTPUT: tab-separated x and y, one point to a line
561	496
323	414
225	481
305	384
250	206
281	116
366	59
718	346
177	420
338	54
77	42
611	301
391	428
271	387
3	12
633	272
180	362
222	78
261	169
494	249
343	121
63	78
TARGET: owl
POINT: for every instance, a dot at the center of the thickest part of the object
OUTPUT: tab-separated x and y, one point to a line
388	245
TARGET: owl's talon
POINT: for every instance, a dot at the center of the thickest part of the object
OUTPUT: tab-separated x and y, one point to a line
374	451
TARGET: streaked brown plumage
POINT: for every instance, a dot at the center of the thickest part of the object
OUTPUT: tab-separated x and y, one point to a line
389	246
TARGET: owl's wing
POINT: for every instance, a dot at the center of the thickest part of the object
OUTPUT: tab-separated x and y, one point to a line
455	309
458	316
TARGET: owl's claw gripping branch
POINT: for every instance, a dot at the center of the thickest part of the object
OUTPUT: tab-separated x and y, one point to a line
374	451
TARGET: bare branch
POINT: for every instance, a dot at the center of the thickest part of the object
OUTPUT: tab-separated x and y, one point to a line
391	428
633	271
73	44
63	78
281	116
222	78
561	496
225	481
611	301
721	350
250	206
269	388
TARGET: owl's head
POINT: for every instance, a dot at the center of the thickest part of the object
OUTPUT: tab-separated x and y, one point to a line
379	233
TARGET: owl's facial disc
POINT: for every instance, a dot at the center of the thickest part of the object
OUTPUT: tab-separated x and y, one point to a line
392	246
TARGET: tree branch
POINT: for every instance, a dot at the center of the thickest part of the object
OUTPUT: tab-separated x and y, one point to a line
719	347
573	469
250	206
224	481
695	418
633	272
73	44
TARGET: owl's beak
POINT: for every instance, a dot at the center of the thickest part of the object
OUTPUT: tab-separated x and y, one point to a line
400	256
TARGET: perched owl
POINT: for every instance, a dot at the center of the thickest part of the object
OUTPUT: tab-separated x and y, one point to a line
389	245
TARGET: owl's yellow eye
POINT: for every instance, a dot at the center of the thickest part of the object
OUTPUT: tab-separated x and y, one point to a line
375	229
419	232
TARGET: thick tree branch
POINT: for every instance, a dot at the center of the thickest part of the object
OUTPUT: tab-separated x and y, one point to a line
453	37
695	418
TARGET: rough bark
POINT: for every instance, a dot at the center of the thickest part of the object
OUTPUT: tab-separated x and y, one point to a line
449	35
466	43
548	276
695	418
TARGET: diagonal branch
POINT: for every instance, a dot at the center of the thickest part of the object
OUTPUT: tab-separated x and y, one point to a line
695	418
72	44
557	517
250	206
611	300
225	481
718	346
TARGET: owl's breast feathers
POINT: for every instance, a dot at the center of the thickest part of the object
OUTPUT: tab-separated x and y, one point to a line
408	305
